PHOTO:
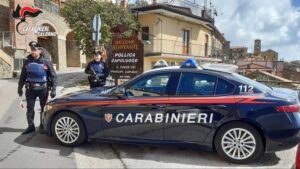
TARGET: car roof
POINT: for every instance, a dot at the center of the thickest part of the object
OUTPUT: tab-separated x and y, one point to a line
193	70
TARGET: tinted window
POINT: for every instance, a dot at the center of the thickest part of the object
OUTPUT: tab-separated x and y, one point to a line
154	85
224	87
195	84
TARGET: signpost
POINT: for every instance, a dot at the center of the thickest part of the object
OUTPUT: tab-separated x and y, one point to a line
97	28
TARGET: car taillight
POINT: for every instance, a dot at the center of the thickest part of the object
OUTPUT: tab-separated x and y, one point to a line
298	157
289	108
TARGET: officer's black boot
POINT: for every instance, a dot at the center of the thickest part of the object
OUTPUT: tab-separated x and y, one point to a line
41	127
30	128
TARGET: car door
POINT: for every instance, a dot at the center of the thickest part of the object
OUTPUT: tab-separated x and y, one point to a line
197	107
139	114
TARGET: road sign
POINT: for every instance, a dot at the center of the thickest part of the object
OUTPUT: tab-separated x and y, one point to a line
127	58
97	28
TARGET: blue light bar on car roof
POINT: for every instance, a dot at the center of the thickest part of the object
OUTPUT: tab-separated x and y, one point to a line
189	63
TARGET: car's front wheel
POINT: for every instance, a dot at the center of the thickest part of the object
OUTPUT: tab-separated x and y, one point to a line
239	143
68	129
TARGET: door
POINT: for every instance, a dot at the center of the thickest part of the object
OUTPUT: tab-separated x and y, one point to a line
140	114
196	109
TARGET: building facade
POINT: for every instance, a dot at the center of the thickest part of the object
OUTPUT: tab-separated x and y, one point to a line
174	34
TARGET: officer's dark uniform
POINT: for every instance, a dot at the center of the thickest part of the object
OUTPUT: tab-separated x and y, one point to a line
39	78
97	69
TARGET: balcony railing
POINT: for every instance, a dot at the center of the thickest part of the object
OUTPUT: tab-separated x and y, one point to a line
47	5
178	48
196	8
275	83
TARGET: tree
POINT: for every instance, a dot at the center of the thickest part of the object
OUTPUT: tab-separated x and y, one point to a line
79	15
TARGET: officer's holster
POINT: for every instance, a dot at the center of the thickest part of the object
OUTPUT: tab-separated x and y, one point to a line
96	83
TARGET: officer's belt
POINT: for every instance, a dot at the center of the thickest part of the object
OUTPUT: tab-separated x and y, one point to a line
36	86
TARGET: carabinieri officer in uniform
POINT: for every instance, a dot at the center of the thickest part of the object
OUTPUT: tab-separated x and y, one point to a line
97	69
39	78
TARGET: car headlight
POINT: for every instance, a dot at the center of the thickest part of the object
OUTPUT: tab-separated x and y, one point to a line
48	107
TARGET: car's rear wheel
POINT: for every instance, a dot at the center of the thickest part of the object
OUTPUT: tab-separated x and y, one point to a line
239	143
68	129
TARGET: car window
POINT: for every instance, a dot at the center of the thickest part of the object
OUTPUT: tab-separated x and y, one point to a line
224	87
196	84
250	86
154	85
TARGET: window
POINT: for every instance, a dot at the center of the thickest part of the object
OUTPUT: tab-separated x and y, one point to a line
224	87
195	84
145	33
154	85
206	45
186	41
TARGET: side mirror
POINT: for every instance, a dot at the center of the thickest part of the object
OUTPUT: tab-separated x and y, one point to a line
119	92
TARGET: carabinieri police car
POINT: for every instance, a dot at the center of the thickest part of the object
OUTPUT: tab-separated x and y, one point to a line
211	108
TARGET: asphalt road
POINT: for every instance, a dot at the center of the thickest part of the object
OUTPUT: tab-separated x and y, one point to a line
39	151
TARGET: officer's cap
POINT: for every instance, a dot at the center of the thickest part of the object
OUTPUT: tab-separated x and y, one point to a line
97	52
34	45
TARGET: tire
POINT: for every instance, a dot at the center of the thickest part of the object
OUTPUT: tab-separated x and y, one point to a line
249	146
68	129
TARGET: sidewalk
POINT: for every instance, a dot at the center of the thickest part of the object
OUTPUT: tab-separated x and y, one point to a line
71	70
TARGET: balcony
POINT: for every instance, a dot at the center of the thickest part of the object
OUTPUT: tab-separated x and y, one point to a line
164	46
47	5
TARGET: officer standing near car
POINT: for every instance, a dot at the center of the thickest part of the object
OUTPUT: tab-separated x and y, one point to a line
39	78
97	69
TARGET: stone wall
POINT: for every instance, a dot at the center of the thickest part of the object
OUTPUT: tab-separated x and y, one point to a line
5	69
4	3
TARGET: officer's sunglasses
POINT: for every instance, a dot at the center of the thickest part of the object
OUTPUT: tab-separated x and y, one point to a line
34	49
97	54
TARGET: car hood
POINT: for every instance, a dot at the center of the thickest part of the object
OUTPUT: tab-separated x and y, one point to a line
83	95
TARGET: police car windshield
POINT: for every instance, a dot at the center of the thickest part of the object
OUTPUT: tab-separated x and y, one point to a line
254	83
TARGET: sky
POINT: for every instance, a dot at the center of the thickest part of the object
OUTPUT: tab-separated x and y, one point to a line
275	22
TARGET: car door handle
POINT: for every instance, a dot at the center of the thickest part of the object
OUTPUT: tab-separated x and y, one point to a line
217	107
156	106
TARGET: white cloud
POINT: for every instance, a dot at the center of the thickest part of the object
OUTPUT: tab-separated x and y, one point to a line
298	34
276	23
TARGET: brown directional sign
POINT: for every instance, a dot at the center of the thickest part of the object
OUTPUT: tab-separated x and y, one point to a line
127	58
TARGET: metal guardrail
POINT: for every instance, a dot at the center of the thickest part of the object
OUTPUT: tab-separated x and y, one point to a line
294	85
275	81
